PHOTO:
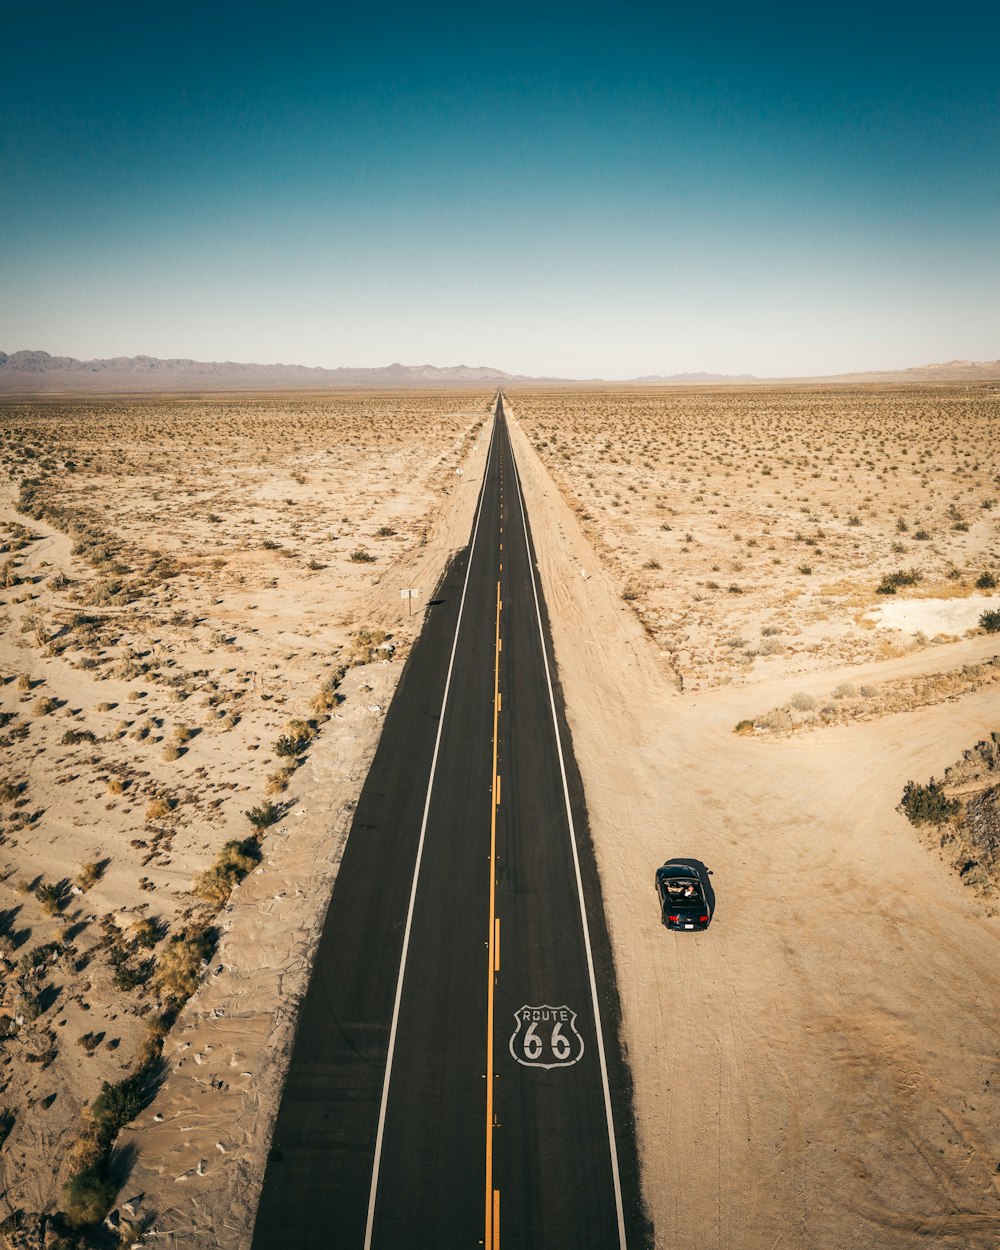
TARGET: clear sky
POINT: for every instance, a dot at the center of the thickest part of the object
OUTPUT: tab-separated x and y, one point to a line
576	190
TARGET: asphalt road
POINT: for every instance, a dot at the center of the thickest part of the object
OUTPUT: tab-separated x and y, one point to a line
456	1079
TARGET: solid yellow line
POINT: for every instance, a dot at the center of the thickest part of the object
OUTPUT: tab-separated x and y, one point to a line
496	1219
496	943
492	1205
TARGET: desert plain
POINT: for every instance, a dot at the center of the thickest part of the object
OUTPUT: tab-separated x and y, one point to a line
766	605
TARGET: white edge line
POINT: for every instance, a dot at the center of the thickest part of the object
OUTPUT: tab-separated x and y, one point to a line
622	1240
373	1191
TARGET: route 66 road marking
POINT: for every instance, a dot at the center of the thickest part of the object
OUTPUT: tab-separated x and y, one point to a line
546	1037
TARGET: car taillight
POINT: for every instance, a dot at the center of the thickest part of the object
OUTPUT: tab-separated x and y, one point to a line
703	919
673	919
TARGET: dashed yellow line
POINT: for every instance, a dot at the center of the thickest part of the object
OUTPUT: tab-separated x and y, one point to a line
493	1196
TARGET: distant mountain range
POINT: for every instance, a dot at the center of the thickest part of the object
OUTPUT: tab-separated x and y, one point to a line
693	378
36	372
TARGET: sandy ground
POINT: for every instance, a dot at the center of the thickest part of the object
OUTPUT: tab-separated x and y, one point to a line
185	587
935	616
820	1068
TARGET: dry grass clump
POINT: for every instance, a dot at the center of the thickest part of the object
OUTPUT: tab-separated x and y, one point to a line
159	807
804	711
89	874
296	737
234	861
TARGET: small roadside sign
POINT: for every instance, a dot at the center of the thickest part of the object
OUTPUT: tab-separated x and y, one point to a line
410	594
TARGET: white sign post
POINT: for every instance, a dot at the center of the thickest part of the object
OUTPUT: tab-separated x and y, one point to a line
410	595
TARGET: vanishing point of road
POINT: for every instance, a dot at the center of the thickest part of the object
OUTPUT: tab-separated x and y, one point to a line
456	1078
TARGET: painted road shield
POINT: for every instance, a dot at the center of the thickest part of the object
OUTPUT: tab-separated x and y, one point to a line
546	1037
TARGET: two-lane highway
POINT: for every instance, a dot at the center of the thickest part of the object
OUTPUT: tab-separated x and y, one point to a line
456	1078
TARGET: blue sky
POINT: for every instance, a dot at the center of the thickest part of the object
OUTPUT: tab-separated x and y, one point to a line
580	191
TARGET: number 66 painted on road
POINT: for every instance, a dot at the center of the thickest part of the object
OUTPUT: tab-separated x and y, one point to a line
546	1037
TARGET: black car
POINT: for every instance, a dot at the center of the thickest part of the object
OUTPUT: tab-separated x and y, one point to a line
682	897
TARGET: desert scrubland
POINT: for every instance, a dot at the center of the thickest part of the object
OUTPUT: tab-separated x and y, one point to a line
197	598
766	608
751	529
201	629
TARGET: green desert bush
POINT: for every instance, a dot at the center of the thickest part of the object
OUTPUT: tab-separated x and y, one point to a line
87	1198
891	582
263	815
116	1105
986	581
928	805
990	621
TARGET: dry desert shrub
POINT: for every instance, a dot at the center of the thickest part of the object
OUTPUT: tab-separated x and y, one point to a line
157	808
178	971
961	813
89	874
233	863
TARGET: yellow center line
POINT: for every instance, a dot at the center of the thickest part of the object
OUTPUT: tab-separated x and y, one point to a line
493	1196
